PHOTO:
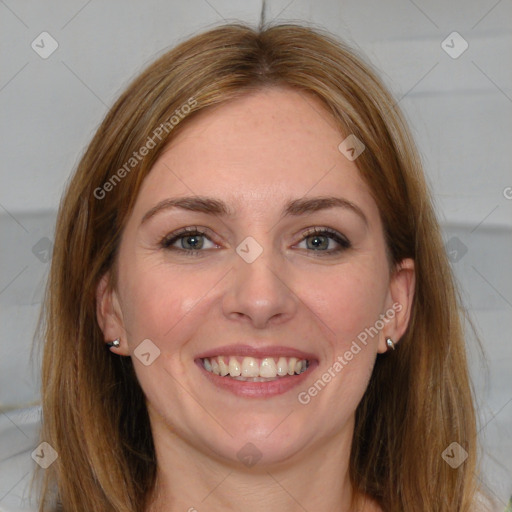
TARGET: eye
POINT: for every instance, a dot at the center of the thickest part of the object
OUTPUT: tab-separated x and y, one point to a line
188	240
191	240
319	240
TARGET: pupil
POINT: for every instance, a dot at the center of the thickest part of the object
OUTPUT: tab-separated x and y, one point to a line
318	242
193	241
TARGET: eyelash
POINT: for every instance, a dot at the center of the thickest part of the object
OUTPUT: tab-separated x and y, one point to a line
169	240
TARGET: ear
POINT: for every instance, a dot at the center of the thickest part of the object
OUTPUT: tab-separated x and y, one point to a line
398	303
109	316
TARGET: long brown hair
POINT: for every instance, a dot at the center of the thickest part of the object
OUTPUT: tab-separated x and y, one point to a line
418	401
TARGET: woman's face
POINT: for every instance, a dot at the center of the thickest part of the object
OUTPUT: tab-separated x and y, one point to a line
254	286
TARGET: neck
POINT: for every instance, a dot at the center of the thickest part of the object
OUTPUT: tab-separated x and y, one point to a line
316	478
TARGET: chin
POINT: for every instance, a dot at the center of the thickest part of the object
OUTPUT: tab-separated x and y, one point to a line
263	444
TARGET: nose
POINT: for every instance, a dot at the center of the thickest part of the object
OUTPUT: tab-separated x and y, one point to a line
258	292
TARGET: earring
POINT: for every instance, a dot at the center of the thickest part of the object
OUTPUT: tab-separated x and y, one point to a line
390	344
114	343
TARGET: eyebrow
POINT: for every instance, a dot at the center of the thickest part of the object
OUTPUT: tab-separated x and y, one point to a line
212	206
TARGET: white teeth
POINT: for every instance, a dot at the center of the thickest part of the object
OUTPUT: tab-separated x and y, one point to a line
224	368
268	367
234	367
256	370
250	367
282	366
291	365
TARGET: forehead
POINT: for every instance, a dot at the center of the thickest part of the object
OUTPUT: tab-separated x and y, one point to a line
269	144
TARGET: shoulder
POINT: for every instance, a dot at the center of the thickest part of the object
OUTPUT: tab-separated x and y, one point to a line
482	503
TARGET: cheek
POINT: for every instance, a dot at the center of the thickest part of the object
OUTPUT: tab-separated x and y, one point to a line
348	300
155	301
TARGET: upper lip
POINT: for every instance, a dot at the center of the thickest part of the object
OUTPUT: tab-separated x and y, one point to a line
259	352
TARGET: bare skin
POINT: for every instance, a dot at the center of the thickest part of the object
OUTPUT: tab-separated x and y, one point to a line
255	154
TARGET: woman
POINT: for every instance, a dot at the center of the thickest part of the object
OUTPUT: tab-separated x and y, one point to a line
249	304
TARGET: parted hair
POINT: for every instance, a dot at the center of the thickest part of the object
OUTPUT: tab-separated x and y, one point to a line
418	401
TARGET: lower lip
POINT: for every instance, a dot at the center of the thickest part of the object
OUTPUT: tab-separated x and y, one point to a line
249	389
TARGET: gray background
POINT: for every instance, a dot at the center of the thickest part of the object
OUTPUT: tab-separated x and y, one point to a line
459	108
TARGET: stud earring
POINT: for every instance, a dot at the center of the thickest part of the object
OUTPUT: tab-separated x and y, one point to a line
114	343
390	344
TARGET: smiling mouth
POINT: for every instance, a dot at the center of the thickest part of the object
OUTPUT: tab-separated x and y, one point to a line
252	369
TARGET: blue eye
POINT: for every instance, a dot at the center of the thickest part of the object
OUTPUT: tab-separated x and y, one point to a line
320	239
191	241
